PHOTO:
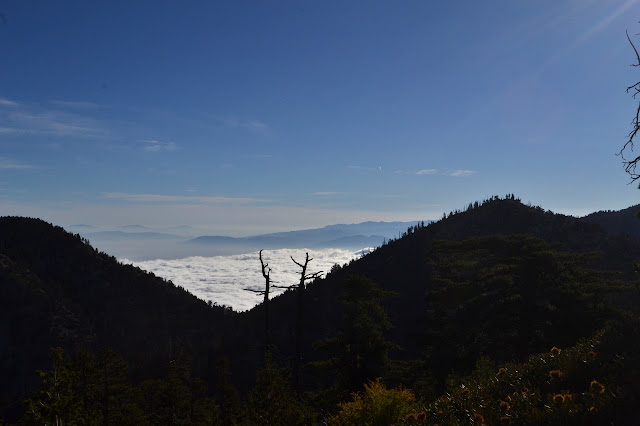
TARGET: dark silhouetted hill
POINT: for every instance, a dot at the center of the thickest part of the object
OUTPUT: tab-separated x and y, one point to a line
59	291
624	221
402	266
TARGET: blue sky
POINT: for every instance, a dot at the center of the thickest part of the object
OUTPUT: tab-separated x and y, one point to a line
246	117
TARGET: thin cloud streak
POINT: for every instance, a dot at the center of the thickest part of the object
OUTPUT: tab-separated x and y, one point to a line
427	172
602	24
7	102
159	198
461	173
16	131
368	169
7	164
157	146
55	123
328	193
76	104
243	123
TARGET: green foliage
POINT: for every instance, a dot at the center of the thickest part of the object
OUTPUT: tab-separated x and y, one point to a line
94	389
229	410
360	350
508	296
416	374
113	393
272	402
54	403
376	405
179	399
58	291
590	383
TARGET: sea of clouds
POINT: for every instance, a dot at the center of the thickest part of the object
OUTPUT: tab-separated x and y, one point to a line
222	279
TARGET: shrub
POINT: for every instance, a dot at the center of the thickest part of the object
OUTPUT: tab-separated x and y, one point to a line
376	405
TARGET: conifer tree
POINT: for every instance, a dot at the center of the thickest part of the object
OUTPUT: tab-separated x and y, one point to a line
271	400
54	403
360	350
229	410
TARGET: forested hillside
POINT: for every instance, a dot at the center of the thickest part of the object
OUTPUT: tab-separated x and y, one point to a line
624	221
58	291
443	307
403	266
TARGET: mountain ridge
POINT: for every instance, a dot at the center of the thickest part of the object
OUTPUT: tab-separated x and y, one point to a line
50	276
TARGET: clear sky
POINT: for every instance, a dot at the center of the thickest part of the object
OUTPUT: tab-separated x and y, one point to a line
246	117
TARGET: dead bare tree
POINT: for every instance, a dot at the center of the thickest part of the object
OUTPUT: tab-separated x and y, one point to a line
631	164
300	290
266	273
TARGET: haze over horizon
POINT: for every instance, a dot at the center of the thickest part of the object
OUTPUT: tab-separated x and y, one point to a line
251	118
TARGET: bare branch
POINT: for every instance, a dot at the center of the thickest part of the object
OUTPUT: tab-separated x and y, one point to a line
266	271
631	163
634	49
635	86
313	276
294	261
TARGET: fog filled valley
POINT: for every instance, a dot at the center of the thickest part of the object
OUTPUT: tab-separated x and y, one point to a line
223	279
220	269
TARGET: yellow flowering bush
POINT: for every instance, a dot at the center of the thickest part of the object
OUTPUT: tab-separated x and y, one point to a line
554	387
378	405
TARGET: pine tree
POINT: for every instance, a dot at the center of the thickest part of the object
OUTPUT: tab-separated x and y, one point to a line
360	350
272	402
54	403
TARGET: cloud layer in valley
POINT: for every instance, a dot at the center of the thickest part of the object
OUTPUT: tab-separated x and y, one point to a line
222	279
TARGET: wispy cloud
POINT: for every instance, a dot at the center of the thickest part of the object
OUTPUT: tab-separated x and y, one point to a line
159	198
427	172
7	102
328	193
53	122
368	169
253	124
7	164
156	146
461	173
242	123
75	104
14	131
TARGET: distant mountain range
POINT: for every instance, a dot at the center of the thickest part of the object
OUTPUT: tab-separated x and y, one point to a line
136	242
359	235
121	235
